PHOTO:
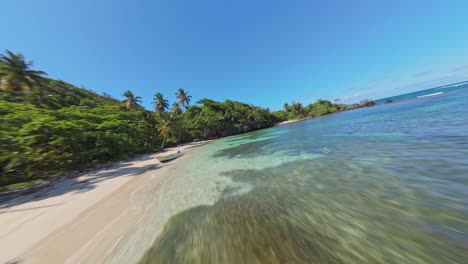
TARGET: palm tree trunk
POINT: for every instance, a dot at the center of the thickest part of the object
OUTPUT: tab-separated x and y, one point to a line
164	142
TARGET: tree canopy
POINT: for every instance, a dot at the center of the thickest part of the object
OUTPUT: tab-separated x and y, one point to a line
321	107
16	72
131	101
183	98
49	127
160	103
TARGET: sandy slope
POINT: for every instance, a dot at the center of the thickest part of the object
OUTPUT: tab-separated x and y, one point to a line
78	220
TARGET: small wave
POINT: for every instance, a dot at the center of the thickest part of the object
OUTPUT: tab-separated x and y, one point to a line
432	94
453	85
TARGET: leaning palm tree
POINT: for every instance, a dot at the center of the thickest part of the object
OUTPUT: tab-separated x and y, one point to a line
160	104
168	127
16	73
176	108
183	98
131	101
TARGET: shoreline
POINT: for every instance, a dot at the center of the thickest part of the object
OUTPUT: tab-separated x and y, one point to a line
292	121
37	185
80	219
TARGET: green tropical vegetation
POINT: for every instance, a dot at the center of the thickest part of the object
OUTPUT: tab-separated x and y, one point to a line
321	107
131	101
50	127
160	104
176	108
183	98
17	73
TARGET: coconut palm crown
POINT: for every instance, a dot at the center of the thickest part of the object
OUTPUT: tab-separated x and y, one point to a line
183	97
160	104
16	73
131	101
176	108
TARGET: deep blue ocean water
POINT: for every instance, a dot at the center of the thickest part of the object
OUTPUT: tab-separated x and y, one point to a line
386	184
425	93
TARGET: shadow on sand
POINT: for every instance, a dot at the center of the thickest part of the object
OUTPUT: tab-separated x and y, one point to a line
77	183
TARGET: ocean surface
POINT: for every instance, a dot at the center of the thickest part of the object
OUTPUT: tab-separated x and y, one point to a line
425	93
386	184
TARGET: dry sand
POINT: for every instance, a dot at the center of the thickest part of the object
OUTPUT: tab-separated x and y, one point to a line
292	121
79	220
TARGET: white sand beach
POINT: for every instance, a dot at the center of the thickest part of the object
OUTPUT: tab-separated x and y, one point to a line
81	219
292	121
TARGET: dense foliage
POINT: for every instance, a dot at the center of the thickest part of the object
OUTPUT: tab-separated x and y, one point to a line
215	119
319	108
48	127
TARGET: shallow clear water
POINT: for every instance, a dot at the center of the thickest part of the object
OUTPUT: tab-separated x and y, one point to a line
387	184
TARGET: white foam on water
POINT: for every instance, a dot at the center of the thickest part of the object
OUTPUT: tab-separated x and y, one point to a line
432	94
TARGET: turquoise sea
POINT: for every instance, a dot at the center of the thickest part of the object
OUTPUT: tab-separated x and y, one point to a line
387	184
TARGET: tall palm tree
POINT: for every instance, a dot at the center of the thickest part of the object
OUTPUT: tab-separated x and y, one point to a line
183	98
286	107
131	101
176	108
168	127
160	103
16	72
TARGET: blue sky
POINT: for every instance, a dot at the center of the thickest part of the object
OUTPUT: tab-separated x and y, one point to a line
261	52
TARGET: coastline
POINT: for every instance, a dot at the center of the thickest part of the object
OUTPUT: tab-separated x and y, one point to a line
80	219
292	121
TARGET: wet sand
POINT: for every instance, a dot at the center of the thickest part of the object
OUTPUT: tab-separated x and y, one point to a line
80	220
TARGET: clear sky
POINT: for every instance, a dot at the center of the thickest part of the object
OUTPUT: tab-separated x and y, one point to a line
261	52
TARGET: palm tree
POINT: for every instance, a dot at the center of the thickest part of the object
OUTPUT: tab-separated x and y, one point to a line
183	98
286	107
168	128
176	108
1	80
297	108
160	103
131	101
17	73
